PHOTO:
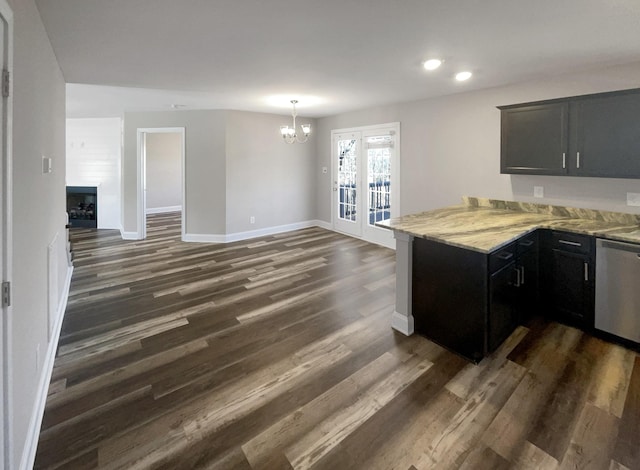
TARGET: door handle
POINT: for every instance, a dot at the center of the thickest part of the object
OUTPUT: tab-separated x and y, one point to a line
586	271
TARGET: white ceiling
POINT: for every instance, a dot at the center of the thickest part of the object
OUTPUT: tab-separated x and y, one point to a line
344	54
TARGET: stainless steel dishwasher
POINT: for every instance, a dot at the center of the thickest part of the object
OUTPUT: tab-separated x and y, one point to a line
618	289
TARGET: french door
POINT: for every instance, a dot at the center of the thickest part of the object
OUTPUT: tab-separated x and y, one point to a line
365	163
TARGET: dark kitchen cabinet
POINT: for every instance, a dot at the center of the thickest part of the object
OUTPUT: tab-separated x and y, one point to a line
591	135
534	139
502	318
606	136
528	277
449	296
570	283
465	300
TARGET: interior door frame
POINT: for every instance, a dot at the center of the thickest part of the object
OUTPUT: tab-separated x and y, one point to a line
371	234
6	242
142	173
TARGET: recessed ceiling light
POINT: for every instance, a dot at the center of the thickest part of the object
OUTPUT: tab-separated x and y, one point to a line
462	76
432	64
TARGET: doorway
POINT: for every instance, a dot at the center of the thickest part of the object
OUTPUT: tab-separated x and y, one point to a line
6	222
161	170
365	184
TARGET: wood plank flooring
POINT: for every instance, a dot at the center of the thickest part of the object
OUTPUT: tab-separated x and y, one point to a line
277	353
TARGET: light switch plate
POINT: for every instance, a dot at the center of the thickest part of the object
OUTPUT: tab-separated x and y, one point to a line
633	199
538	191
46	165
324	169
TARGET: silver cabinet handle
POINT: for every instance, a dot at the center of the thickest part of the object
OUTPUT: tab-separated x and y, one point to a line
522	275
586	271
578	159
567	242
564	160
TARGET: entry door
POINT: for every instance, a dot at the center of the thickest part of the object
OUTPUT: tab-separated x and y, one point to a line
379	165
365	181
346	183
5	242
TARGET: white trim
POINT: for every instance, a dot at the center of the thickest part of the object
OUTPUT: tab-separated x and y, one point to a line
33	431
402	323
141	214
204	238
364	128
324	225
263	232
130	235
162	210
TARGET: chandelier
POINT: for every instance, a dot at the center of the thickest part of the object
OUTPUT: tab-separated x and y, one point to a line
289	133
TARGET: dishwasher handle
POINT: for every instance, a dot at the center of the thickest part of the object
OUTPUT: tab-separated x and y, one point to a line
621	246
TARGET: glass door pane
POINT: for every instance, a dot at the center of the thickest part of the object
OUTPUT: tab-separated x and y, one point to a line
379	178
347	179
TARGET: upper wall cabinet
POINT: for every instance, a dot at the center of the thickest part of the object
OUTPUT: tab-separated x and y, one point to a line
592	135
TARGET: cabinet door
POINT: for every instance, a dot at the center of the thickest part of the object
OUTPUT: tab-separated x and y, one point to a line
606	136
534	139
572	288
529	289
502	306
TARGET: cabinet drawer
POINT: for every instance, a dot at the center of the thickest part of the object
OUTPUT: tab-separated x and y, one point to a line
527	243
572	242
502	257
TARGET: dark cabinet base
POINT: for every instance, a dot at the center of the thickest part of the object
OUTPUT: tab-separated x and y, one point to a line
450	297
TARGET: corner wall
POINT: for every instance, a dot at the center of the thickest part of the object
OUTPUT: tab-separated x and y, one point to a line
237	166
205	167
93	159
267	178
39	218
450	147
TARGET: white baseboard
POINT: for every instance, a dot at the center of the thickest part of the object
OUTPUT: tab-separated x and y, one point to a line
263	232
323	224
203	238
33	431
239	236
130	235
402	323
162	210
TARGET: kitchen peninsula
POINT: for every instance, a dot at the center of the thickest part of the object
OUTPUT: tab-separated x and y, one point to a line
466	275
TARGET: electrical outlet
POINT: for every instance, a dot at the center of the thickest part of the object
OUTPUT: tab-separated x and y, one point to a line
538	191
252	220
633	199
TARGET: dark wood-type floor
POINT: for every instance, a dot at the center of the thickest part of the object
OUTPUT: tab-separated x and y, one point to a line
278	353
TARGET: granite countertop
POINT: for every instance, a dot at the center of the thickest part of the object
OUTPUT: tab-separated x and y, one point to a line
486	225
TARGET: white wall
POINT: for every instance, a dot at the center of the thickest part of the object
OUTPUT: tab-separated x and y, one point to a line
450	147
204	167
39	212
267	178
164	170
237	166
93	159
